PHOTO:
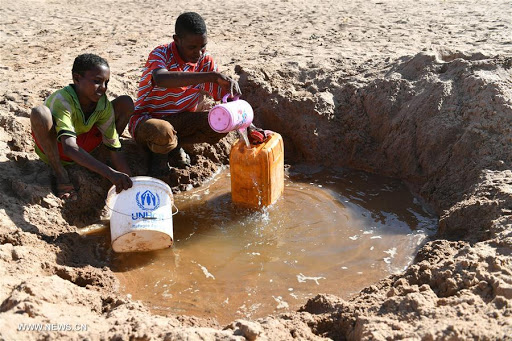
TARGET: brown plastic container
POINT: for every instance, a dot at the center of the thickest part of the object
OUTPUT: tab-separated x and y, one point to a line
257	173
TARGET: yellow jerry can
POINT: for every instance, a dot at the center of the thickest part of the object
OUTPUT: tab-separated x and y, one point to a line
257	173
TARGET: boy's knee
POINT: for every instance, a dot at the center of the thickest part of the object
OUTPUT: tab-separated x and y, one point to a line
157	134
40	111
123	105
40	116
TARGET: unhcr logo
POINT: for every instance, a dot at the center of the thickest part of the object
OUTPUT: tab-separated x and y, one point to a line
147	201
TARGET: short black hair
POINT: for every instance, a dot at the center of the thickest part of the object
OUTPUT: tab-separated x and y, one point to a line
86	62
190	23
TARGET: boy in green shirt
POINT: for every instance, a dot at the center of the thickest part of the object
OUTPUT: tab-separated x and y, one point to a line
76	119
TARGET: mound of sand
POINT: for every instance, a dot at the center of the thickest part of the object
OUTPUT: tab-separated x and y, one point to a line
418	91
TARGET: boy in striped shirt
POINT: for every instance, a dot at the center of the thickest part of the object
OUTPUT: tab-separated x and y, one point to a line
174	77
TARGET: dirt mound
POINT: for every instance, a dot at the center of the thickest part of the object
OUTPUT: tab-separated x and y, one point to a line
442	123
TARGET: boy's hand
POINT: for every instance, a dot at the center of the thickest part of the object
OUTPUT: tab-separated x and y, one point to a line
121	181
228	84
256	135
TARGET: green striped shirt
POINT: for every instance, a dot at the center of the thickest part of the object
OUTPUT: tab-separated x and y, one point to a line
70	120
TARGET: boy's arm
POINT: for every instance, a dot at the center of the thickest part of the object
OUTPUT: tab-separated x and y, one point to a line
119	162
164	78
80	156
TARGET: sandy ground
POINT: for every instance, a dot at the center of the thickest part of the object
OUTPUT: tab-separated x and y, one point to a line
419	90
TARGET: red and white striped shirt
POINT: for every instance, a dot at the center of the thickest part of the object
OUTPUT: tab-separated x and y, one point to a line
153	101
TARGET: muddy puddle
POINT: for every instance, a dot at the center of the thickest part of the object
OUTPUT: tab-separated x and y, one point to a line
331	232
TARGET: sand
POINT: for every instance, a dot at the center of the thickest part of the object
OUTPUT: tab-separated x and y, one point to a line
418	90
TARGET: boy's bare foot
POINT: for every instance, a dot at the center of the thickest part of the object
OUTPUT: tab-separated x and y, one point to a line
66	192
179	158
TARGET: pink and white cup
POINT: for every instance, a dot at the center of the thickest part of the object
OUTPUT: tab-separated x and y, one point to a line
229	116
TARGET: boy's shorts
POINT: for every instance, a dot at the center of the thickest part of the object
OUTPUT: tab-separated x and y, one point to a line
87	141
188	127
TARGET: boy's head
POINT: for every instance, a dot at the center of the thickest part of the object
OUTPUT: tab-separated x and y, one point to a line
190	23
190	37
91	75
86	62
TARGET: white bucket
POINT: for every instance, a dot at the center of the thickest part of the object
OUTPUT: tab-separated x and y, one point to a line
141	217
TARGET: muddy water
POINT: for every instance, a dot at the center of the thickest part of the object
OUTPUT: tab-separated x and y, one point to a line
333	232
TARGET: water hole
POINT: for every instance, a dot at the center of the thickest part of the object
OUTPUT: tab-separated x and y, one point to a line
332	232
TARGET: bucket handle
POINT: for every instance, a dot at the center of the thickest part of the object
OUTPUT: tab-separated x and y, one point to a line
172	213
145	218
